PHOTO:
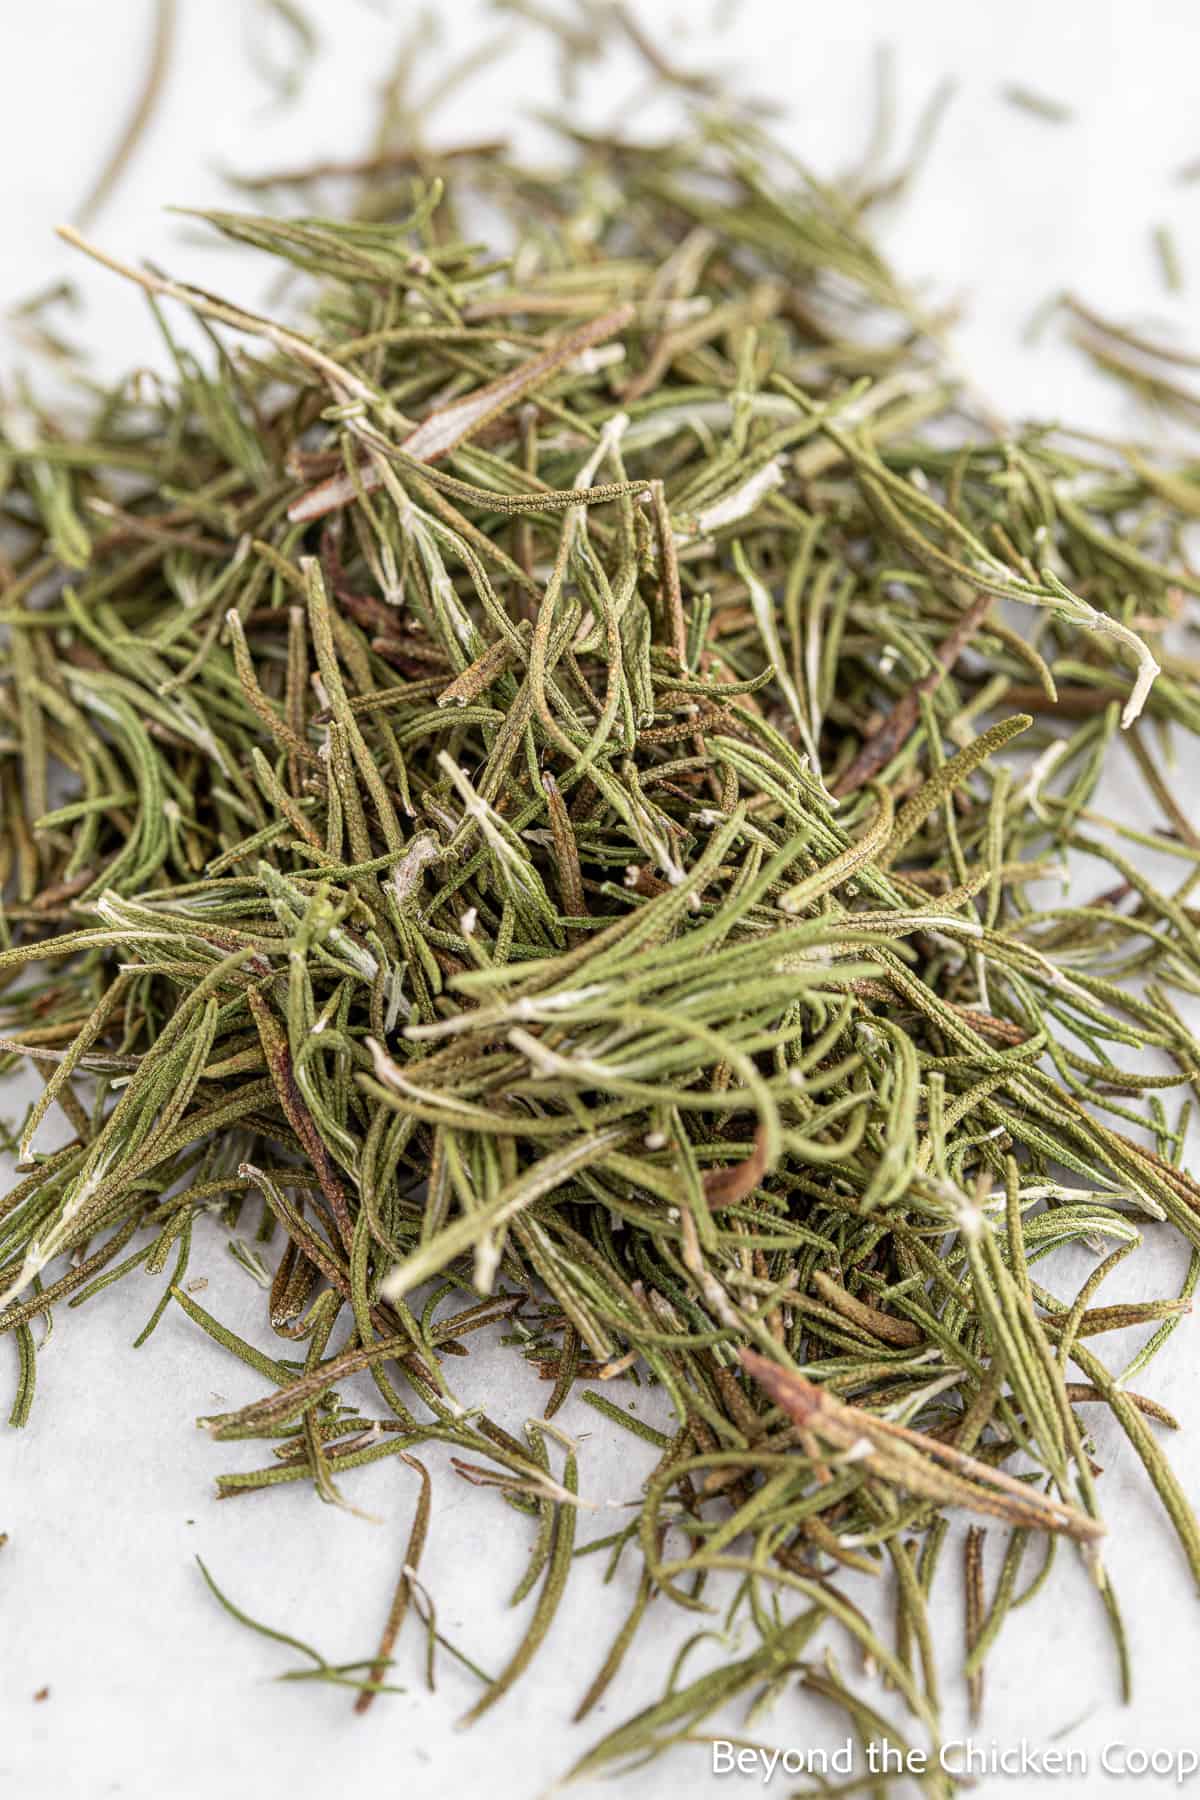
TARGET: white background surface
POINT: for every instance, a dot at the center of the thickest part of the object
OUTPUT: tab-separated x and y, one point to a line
108	1494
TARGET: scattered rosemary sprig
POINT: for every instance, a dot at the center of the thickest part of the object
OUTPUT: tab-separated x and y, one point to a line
531	792
1041	106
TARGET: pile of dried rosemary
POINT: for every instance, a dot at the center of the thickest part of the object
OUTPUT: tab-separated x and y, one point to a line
506	787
